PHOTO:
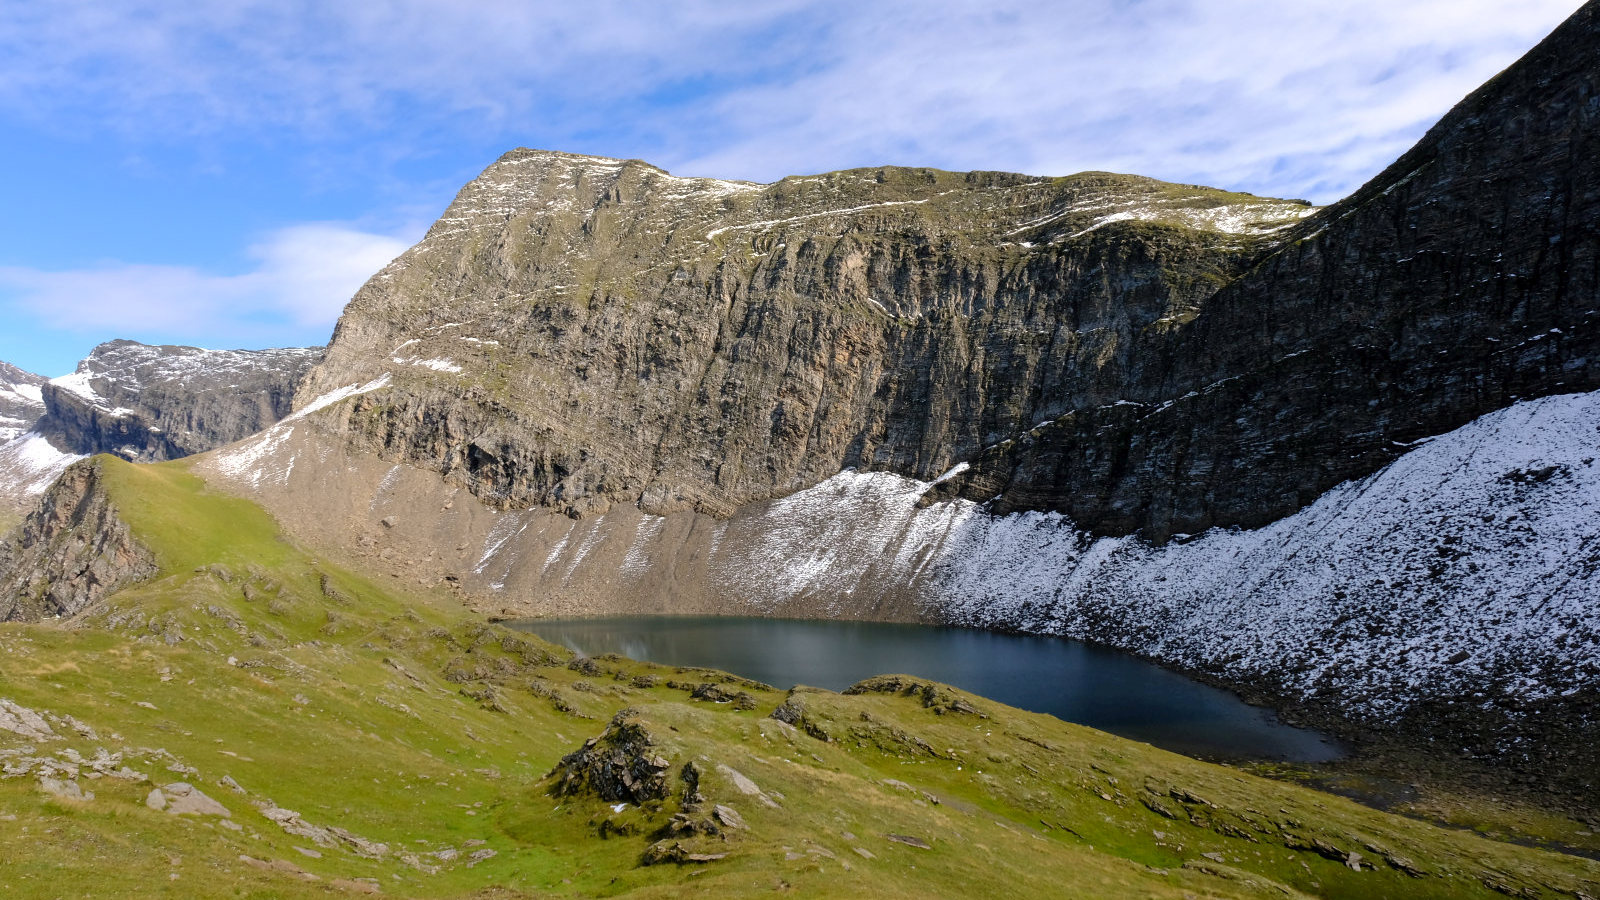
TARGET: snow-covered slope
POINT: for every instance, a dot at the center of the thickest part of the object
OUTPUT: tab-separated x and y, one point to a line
28	462
1468	568
21	403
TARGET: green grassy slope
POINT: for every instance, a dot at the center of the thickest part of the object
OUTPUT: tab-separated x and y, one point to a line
404	720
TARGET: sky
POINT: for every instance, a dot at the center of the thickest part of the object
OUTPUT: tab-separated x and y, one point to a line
228	173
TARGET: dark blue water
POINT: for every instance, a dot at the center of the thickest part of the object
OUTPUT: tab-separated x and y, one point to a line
1081	683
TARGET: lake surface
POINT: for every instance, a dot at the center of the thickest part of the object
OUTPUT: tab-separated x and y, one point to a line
1089	685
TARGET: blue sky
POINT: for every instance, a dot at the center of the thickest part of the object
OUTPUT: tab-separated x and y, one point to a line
228	173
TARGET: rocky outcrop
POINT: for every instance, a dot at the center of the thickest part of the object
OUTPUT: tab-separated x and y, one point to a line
184	799
624	763
71	551
152	403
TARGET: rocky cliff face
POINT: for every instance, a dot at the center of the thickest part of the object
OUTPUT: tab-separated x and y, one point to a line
70	552
577	332
152	403
1464	277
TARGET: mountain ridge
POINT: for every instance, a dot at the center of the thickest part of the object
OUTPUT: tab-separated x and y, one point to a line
616	398
1120	350
876	266
141	402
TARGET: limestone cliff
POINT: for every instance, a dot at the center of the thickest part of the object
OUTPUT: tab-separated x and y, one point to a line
576	332
1463	278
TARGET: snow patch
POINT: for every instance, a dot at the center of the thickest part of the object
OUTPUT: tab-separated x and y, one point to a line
637	561
30	463
78	385
335	396
438	365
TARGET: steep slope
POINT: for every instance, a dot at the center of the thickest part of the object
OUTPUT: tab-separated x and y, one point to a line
254	720
151	403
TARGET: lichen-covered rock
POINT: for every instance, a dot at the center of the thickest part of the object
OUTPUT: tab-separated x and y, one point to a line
184	799
623	764
72	550
20	720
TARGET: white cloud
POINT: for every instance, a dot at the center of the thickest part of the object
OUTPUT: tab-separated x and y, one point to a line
1300	98
301	279
1293	98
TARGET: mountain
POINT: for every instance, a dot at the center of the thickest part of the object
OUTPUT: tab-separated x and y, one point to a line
1339	459
27	462
140	402
578	332
152	403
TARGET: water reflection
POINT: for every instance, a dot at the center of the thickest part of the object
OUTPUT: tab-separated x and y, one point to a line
1093	686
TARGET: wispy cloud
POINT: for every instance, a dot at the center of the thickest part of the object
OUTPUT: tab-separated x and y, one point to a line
301	278
1304	99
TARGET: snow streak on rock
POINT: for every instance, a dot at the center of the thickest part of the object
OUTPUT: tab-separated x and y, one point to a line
255	458
21	401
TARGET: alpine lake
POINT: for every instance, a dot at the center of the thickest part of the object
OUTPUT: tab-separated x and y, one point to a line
1074	681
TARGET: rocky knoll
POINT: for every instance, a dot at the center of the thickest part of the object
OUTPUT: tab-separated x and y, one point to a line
70	552
576	332
151	403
